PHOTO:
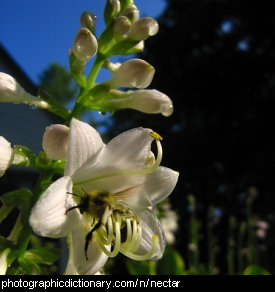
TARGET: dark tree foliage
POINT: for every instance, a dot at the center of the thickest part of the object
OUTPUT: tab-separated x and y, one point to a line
216	60
56	82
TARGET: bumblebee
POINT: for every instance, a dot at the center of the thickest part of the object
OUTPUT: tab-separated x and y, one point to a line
100	205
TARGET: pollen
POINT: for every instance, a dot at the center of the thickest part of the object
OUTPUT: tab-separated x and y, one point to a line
155	136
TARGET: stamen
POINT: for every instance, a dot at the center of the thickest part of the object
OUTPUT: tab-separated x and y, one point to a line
116	244
156	136
147	256
138	239
134	236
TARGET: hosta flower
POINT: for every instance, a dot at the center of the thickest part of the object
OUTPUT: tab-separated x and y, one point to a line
6	155
11	91
85	45
103	203
132	73
150	101
55	141
143	29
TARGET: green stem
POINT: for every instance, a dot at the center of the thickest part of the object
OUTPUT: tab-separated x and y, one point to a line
59	111
16	229
4	212
99	61
231	246
78	107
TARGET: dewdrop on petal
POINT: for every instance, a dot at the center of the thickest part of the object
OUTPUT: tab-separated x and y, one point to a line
143	29
134	73
55	141
6	155
85	45
11	91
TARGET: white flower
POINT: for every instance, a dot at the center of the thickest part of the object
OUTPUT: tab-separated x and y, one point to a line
134	73
55	141
85	45
11	91
148	101
114	186
6	155
4	261
169	224
143	29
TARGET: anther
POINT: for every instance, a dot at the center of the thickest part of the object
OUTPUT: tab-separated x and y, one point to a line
155	135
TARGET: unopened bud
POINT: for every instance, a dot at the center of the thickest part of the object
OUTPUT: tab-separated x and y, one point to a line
6	155
88	20
121	26
55	141
143	28
11	91
146	101
85	45
132	13
134	73
112	8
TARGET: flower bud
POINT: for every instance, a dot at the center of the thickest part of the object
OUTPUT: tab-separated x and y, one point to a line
121	26
88	20
6	155
132	13
143	28
85	45
134	73
11	91
55	141
147	101
112	8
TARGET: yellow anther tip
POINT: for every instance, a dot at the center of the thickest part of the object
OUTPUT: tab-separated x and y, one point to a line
155	136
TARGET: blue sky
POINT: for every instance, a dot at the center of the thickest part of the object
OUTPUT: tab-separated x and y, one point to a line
38	32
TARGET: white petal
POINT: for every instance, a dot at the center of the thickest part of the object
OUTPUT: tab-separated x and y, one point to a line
84	142
160	184
55	141
48	216
6	155
151	226
96	258
127	151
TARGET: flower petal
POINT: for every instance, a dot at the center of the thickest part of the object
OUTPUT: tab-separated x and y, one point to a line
6	155
160	184
127	151
96	258
48	216
151	226
84	142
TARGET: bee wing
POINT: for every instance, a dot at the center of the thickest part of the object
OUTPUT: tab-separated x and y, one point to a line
133	197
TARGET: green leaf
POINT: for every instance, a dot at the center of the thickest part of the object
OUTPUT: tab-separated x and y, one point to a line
29	266
172	263
141	268
255	270
21	199
43	255
5	243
